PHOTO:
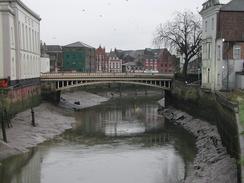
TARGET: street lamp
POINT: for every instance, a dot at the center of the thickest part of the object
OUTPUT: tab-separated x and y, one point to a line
3	115
198	74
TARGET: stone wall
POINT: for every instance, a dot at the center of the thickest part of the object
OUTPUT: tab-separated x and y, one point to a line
19	99
211	107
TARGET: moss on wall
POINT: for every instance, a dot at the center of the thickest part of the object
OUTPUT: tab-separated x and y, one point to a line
14	103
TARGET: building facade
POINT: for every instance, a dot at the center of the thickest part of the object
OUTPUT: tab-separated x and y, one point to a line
55	53
102	64
79	57
132	67
222	47
115	64
151	64
167	62
19	42
44	59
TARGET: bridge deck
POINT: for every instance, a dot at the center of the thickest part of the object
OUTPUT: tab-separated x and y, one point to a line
64	81
54	76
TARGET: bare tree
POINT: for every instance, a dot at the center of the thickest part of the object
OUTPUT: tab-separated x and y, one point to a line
183	34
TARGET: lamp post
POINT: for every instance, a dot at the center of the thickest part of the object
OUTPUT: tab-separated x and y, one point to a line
198	74
33	123
2	117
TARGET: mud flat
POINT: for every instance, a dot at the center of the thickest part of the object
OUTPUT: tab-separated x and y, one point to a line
51	121
212	163
82	99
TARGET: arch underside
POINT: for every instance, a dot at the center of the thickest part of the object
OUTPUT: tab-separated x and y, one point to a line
166	85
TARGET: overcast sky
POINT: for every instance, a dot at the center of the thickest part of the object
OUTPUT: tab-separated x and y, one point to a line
121	24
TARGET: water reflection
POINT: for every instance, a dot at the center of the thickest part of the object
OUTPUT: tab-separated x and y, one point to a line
120	120
22	169
120	141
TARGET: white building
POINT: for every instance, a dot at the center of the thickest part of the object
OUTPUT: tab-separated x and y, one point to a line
19	42
222	43
115	64
45	64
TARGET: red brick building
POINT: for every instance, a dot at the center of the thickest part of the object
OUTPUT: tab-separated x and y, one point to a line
102	64
161	61
151	64
167	62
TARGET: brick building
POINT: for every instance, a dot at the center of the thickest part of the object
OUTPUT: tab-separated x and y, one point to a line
101	60
161	61
167	62
223	43
151	64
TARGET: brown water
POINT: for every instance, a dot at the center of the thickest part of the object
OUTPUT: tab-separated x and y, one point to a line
121	141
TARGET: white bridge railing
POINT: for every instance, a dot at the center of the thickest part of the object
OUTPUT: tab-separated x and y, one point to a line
102	75
62	81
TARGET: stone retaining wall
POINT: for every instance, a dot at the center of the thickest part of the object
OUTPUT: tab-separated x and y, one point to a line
213	108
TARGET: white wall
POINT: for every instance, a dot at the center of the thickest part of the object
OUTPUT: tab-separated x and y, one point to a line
29	44
1	49
19	42
239	81
45	65
210	66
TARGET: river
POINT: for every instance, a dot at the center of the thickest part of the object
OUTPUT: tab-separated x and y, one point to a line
121	141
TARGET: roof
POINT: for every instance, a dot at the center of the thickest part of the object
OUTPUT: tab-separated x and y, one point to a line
113	54
130	64
234	5
20	3
54	48
78	44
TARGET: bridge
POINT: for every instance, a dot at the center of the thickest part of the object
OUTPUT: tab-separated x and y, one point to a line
62	81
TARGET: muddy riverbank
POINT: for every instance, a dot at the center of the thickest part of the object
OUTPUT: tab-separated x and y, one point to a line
212	164
51	121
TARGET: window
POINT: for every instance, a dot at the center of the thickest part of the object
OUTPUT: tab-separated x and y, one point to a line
23	36
213	24
206	26
19	34
26	36
33	41
12	36
219	52
208	50
30	42
237	52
